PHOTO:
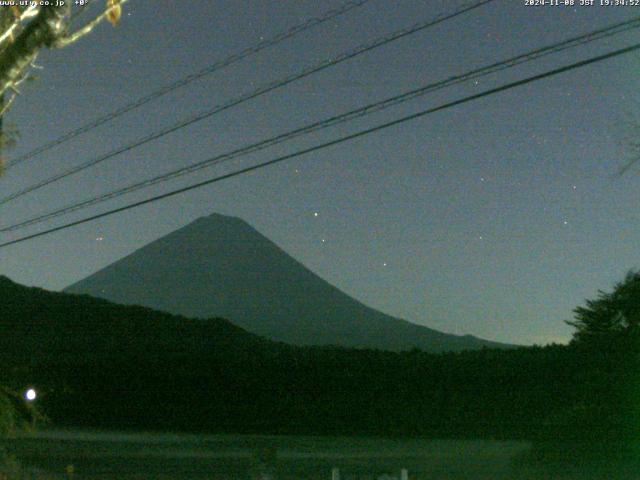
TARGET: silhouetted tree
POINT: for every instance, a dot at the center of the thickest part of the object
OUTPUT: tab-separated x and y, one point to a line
611	316
604	418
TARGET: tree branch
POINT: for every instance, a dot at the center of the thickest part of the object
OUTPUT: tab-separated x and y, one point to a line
44	30
29	12
78	34
4	108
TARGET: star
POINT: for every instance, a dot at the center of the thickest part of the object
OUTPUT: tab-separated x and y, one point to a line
315	214
99	239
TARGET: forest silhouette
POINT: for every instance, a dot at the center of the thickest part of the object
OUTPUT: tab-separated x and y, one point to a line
98	364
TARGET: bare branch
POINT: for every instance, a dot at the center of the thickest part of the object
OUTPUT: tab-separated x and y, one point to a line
49	24
78	34
6	106
28	13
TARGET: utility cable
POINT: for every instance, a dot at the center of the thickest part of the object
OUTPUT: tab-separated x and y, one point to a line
243	98
337	141
231	59
335	120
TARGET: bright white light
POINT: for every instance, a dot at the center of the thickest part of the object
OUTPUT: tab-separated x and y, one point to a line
30	395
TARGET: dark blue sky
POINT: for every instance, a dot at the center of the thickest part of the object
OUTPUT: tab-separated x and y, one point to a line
494	218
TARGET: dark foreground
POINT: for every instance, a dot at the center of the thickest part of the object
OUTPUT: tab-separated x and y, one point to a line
153	456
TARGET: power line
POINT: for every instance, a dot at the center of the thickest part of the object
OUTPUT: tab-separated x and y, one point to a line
236	57
371	108
337	141
338	119
246	97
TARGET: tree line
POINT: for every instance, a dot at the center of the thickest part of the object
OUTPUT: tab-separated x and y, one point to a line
103	365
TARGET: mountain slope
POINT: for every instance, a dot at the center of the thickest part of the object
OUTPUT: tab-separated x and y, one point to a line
41	326
220	266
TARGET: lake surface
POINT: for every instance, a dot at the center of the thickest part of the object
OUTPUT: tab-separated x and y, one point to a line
160	456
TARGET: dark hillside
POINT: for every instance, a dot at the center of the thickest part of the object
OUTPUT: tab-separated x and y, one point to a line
98	364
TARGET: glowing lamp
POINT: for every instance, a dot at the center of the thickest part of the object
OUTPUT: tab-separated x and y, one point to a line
30	395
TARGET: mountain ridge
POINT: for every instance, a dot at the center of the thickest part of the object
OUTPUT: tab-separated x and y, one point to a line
220	266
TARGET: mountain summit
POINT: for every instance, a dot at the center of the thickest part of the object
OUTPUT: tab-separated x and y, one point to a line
220	266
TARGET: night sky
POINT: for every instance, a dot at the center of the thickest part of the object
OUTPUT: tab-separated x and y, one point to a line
495	218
